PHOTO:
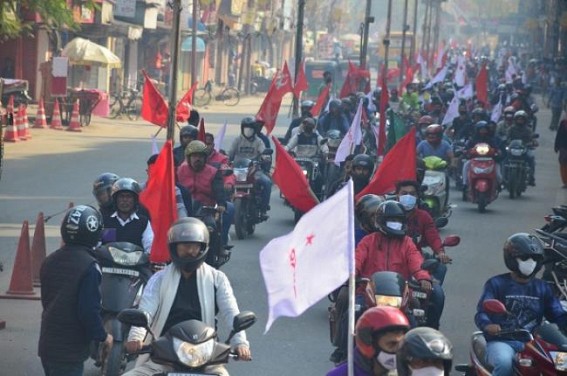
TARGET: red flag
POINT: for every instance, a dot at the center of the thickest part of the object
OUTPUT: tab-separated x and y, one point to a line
185	104
398	164
321	101
280	86
282	83
301	83
482	85
201	134
154	107
289	177
159	198
384	100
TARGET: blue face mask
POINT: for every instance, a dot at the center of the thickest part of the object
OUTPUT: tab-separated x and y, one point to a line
408	201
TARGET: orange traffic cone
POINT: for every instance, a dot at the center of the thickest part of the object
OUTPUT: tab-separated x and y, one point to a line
26	123
75	124
40	121
20	123
21	286
10	106
11	132
38	248
56	117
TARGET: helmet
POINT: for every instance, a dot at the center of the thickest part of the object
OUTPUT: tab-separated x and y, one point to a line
363	160
426	119
196	147
82	225
478	112
435	129
188	230
189	131
248	121
520	115
334	104
523	245
366	209
373	323
509	112
307	105
309	121
125	185
424	343
391	211
104	182
481	125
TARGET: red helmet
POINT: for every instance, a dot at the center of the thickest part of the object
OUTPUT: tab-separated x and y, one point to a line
435	129
376	321
426	119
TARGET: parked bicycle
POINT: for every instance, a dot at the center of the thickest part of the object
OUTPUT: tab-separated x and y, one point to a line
128	102
229	95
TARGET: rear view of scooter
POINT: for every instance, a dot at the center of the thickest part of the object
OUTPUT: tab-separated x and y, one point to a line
436	195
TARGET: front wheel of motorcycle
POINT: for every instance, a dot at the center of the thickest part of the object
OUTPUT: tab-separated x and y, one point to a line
240	225
482	201
114	364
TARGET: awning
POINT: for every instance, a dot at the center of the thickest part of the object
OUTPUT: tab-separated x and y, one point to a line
187	45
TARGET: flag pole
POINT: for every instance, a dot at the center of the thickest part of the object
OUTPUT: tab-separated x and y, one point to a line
176	4
351	282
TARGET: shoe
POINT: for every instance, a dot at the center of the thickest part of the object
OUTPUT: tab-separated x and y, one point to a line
531	183
337	356
264	217
465	194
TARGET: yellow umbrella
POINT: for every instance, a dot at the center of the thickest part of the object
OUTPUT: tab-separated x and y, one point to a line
84	52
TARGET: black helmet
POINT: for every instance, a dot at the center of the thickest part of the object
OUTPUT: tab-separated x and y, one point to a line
307	105
248	121
82	225
478	112
424	343
104	182
188	230
366	210
523	246
189	131
363	160
125	185
335	104
391	211
521	114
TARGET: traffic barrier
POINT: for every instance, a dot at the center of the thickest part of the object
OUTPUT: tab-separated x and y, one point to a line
56	117
10	106
38	250
75	124
21	286
40	120
26	122
11	132
19	120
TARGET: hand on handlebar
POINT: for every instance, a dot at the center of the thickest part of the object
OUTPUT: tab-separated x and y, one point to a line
443	258
133	346
493	329
426	285
244	353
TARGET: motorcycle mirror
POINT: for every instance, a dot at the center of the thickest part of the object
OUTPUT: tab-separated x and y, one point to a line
268	151
134	317
441	222
243	321
494	306
451	240
430	264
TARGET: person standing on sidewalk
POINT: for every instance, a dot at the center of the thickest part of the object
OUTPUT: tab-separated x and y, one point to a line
70	296
557	101
561	148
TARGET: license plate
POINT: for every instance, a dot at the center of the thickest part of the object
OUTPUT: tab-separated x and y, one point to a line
128	272
243	186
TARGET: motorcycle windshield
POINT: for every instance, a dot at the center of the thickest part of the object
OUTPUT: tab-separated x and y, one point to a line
118	290
388	283
306	151
242	163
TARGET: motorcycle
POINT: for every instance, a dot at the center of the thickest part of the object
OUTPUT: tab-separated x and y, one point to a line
190	346
306	157
543	353
483	185
332	171
436	195
459	148
219	253
555	264
15	88
247	199
125	271
516	170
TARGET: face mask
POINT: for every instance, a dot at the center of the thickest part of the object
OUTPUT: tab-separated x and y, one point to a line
248	132
394	225
408	201
387	360
428	371
527	267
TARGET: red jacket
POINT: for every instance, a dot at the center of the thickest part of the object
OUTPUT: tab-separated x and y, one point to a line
379	253
218	160
422	225
200	184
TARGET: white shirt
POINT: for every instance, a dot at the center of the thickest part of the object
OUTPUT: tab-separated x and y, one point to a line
147	235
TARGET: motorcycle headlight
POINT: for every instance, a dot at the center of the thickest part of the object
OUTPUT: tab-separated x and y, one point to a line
559	359
389	301
304	172
192	355
481	170
482	149
241	174
516	152
125	258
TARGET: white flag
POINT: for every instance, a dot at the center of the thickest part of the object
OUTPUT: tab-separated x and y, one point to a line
460	74
155	149
439	58
439	77
511	70
452	111
304	266
219	139
496	112
424	72
352	138
466	92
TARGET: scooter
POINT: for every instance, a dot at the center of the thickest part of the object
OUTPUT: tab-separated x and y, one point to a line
436	195
125	271
543	354
483	185
219	253
190	346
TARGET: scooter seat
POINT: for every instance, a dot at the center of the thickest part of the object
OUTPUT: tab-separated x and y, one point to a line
479	348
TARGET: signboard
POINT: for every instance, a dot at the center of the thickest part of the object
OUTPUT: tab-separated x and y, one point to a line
125	8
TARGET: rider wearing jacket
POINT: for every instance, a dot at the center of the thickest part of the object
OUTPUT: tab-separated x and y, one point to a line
308	136
527	299
101	191
521	131
483	135
184	290
306	107
187	134
334	119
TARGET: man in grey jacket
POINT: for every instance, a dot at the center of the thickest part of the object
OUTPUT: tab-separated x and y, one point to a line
184	290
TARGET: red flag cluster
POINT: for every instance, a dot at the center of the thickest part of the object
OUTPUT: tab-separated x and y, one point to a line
355	79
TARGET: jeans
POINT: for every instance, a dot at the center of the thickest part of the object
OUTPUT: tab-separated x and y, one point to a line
500	354
54	368
440	271
265	184
436	305
227	219
555	117
530	159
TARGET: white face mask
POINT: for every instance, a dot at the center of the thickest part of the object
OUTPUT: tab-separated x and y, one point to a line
394	225
427	371
387	360
527	267
408	201
248	132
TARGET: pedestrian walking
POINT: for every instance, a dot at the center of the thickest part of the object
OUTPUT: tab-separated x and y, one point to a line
561	148
556	101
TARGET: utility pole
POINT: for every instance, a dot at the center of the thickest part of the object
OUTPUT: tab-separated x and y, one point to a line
414	31
436	26
176	4
387	39
194	42
405	28
368	19
298	48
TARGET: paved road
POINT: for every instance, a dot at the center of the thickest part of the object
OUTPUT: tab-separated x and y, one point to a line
57	167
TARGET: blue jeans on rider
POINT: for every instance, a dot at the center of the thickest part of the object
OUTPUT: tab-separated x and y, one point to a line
500	354
530	159
266	189
440	271
436	305
54	368
227	219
